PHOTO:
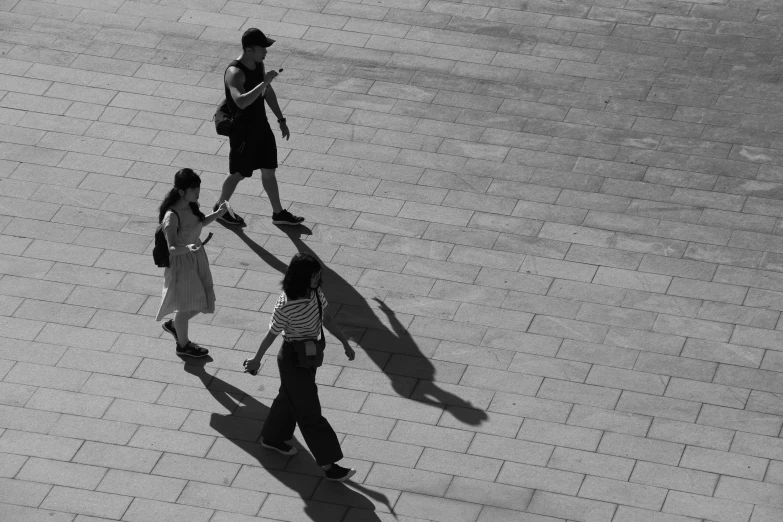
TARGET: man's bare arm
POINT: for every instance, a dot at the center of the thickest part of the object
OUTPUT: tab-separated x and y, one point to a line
271	100
235	79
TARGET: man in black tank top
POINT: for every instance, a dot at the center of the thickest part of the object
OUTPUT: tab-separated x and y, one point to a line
252	141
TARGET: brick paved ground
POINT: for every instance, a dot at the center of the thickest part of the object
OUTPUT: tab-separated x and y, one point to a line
552	228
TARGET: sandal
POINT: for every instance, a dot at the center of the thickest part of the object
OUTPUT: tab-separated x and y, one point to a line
192	350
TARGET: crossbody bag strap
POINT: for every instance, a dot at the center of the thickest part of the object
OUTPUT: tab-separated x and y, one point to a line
320	313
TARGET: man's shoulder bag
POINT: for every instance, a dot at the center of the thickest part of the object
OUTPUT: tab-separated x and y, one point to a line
227	120
310	352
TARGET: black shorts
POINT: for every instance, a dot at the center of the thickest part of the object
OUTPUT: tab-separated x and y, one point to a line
253	151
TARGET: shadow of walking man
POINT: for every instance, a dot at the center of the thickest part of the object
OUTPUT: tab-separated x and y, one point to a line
324	501
391	348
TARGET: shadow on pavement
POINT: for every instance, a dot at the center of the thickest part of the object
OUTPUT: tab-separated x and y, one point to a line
242	427
388	348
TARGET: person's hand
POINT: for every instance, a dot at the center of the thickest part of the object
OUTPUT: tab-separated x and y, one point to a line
251	366
193	248
284	130
349	351
268	77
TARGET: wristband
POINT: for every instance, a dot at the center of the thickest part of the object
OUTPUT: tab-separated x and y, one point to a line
281	120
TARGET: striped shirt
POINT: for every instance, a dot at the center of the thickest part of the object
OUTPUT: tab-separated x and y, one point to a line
297	319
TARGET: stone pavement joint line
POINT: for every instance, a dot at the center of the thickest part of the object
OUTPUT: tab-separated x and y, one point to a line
552	229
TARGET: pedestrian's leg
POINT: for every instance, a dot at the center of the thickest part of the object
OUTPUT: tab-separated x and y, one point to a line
302	394
181	325
280	423
229	186
269	181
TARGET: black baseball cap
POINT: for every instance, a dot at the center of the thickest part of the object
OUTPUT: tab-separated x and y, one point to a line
253	37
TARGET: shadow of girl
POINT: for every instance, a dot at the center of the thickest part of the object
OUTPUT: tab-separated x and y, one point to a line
391	348
324	501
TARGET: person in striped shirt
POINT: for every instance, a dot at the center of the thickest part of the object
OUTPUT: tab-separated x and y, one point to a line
297	317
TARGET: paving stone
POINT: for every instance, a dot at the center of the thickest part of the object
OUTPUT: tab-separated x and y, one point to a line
608	420
731	465
220	497
25	493
564	506
387	406
68	402
600	488
15	394
440	510
117	457
451	463
29	351
578	393
29	420
532	407
708	393
413	480
38	445
741	420
626	514
591	463
32	514
80	427
11	464
570	329
38	375
492	494
432	436
748	378
648	450
751	490
549	367
143	509
61	473
568	436
141	485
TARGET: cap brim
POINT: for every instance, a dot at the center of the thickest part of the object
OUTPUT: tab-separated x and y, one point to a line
269	42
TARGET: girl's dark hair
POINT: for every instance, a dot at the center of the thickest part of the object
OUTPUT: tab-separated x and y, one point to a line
183	180
296	282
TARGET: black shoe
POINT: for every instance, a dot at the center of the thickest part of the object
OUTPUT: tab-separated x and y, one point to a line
280	447
168	327
192	350
227	219
339	473
284	217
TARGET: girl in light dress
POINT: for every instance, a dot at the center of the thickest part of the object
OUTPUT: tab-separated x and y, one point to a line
187	283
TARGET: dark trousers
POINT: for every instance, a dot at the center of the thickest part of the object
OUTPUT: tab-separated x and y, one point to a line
297	403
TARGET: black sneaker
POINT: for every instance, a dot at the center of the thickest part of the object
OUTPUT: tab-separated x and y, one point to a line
339	473
284	217
192	350
280	447
168	327
227	219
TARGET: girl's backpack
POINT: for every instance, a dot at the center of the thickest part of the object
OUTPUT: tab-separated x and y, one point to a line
160	253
